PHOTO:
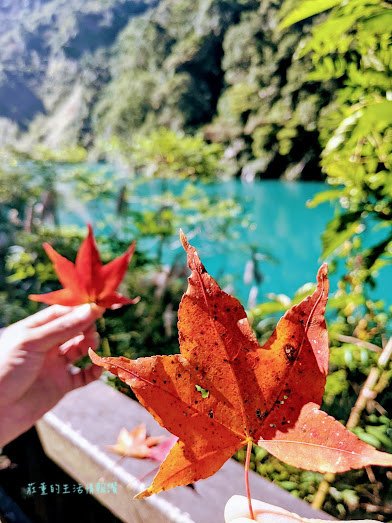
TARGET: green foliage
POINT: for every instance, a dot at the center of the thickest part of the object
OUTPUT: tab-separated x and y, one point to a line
267	114
153	220
166	69
301	484
350	46
166	154
263	316
221	68
358	159
53	62
71	154
353	43
217	68
307	8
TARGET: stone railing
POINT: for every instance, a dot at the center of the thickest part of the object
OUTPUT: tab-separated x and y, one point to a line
76	433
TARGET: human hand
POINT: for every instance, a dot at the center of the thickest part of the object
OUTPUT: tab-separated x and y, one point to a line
236	511
36	357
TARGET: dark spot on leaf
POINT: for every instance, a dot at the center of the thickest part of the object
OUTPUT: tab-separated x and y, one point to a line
290	352
211	414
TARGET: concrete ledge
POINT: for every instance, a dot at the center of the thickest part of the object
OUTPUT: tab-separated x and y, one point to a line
75	435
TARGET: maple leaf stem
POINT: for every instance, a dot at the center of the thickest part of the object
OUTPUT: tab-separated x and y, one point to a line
247	487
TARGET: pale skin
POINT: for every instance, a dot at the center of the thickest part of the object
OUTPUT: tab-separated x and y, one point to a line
236	511
36	363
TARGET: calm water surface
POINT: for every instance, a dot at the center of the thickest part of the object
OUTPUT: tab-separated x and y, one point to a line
282	233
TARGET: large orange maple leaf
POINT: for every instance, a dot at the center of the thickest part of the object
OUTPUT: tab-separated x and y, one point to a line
88	280
224	391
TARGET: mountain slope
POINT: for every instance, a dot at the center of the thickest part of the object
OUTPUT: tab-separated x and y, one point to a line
53	60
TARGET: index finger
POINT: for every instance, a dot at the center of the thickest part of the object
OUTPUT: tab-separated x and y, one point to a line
67	326
45	315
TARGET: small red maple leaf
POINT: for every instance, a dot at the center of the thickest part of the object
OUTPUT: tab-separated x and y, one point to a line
135	443
161	451
88	280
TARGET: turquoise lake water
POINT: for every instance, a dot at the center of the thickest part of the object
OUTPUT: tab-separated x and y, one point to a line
281	231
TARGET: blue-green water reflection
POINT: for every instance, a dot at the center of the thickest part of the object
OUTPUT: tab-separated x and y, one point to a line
278	229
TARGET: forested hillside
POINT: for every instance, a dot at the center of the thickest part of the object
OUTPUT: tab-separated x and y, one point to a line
222	67
53	61
172	95
103	74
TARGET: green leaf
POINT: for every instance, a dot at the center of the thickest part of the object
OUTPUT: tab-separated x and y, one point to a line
339	302
324	196
368	438
306	9
338	230
374	116
288	485
371	257
379	24
204	392
336	385
270	307
380	433
328	39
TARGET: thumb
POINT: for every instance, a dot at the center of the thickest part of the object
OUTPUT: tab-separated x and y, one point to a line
237	511
66	327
